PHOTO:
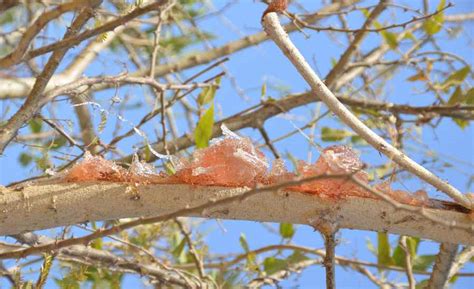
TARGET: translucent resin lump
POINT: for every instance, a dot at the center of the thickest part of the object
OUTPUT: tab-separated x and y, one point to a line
230	161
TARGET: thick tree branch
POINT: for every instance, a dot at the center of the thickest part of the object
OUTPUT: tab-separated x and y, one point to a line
41	206
273	28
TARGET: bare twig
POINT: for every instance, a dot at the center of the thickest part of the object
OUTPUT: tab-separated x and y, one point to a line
355	43
192	250
35	28
84	254
109	26
330	258
278	276
33	102
408	263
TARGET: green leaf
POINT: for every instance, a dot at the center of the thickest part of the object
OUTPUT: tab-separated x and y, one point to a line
469	96
420	76
434	24
358	140
391	39
412	245
25	159
457	97
422	284
169	168
462	123
97	244
146	152
43	162
296	257
35	125
179	249
272	265
287	230
454	279
206	95
203	132
58	142
263	92
371	247
251	257
383	250
332	135
456	77
252	262
423	262
7	17
398	256
410	36
243	242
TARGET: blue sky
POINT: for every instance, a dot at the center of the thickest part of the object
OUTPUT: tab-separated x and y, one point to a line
264	63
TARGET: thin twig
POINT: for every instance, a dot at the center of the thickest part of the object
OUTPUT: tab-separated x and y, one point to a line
408	263
330	259
33	102
35	28
192	249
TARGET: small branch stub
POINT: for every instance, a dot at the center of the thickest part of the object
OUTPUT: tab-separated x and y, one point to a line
278	6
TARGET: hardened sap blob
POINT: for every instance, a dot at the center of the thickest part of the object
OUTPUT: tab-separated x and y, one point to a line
230	161
340	162
96	168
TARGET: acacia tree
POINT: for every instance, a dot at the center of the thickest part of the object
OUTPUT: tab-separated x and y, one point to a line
145	80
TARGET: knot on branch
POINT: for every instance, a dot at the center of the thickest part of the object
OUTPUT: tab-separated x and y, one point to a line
278	6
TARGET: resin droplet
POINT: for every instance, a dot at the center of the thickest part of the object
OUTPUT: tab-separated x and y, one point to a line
140	171
231	161
96	168
279	173
334	160
419	198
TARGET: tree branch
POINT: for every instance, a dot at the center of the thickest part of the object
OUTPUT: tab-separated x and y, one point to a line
34	29
17	88
47	205
273	28
444	261
32	103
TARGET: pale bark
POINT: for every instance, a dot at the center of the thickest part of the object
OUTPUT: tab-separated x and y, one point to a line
47	205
